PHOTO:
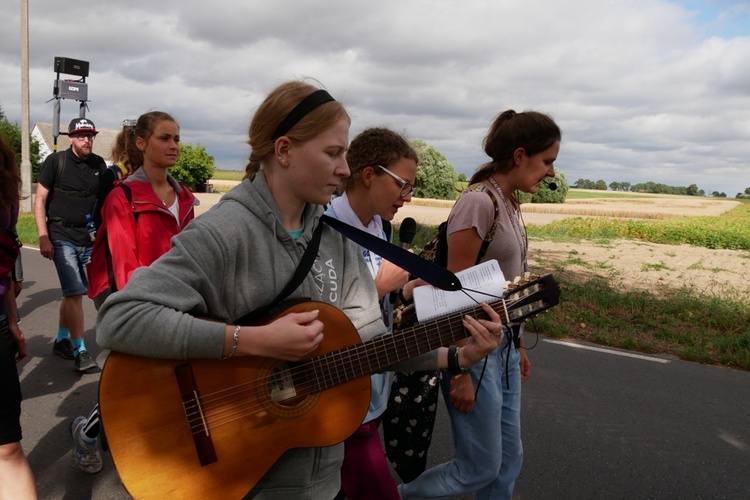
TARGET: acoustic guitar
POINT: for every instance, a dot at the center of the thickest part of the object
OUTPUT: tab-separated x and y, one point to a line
207	428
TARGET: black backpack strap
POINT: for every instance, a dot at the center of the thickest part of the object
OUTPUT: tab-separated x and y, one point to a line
128	192
61	161
59	165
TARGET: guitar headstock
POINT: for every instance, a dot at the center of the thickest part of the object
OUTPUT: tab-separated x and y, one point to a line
530	295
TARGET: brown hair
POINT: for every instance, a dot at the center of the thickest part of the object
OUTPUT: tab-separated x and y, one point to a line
530	130
144	128
274	109
122	144
9	177
375	146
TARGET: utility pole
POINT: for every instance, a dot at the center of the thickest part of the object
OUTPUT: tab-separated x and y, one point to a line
25	146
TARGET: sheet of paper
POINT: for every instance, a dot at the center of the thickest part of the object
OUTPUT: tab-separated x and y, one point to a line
485	280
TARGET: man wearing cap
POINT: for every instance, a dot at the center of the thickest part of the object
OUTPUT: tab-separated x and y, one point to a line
65	196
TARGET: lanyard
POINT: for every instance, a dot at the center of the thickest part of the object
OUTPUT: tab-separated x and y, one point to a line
523	243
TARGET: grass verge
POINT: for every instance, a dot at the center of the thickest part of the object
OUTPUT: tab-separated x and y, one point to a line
683	324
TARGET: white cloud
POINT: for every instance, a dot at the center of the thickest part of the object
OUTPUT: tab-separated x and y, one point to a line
644	90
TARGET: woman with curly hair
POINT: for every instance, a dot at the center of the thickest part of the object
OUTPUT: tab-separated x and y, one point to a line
383	171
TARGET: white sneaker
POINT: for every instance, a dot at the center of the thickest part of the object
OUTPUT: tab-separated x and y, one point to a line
85	454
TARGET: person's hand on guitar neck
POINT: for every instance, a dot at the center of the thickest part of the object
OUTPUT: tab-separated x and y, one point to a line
486	335
290	337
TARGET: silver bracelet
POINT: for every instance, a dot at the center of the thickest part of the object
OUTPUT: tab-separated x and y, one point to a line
236	336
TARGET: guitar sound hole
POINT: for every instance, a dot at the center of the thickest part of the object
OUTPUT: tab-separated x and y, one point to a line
289	384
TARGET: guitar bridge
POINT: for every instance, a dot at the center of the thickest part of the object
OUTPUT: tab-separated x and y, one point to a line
196	420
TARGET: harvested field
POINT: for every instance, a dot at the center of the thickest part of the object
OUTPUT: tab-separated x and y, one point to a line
624	263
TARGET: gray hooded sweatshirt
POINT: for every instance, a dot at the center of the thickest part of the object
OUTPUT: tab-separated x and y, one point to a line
228	262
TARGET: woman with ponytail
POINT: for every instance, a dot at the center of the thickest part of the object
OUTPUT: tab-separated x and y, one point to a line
486	418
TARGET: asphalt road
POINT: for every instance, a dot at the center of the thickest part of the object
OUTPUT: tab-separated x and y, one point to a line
597	424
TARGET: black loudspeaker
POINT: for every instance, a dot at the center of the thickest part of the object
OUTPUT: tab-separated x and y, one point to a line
71	90
71	66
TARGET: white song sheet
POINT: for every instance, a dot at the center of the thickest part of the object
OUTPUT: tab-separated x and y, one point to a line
485	280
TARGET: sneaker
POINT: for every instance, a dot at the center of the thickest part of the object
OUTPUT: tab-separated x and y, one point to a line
84	361
85	453
63	348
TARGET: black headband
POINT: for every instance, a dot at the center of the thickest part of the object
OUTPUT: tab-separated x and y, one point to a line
301	110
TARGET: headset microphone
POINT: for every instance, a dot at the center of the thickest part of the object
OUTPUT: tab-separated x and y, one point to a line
551	185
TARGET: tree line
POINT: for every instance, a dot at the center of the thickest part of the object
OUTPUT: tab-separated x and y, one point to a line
651	187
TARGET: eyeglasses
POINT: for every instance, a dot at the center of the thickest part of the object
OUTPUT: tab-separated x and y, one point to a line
84	137
406	188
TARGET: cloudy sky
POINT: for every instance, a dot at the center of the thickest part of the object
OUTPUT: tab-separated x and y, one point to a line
644	90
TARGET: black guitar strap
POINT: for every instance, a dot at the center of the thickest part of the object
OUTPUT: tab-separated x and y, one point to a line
429	271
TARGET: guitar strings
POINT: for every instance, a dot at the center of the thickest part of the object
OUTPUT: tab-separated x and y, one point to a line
241	409
239	401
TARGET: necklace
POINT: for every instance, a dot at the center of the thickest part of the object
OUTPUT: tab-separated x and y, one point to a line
166	193
523	242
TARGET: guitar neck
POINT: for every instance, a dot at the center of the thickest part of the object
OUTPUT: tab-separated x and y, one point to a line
375	355
522	300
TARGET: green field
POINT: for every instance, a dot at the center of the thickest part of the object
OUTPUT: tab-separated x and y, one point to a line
582	194
228	175
730	230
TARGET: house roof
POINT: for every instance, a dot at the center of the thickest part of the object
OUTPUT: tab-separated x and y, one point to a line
105	139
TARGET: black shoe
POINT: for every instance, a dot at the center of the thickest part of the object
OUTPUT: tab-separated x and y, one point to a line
63	348
84	361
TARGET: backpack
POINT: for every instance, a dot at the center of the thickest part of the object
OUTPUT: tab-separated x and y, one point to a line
61	160
410	416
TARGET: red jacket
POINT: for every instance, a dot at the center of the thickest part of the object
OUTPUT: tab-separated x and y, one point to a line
135	241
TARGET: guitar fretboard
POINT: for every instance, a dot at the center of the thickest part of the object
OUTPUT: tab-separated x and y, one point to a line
375	355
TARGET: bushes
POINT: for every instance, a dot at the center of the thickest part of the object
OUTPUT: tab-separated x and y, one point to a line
194	166
545	194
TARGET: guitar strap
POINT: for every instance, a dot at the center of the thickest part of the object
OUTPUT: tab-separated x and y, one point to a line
429	271
417	266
